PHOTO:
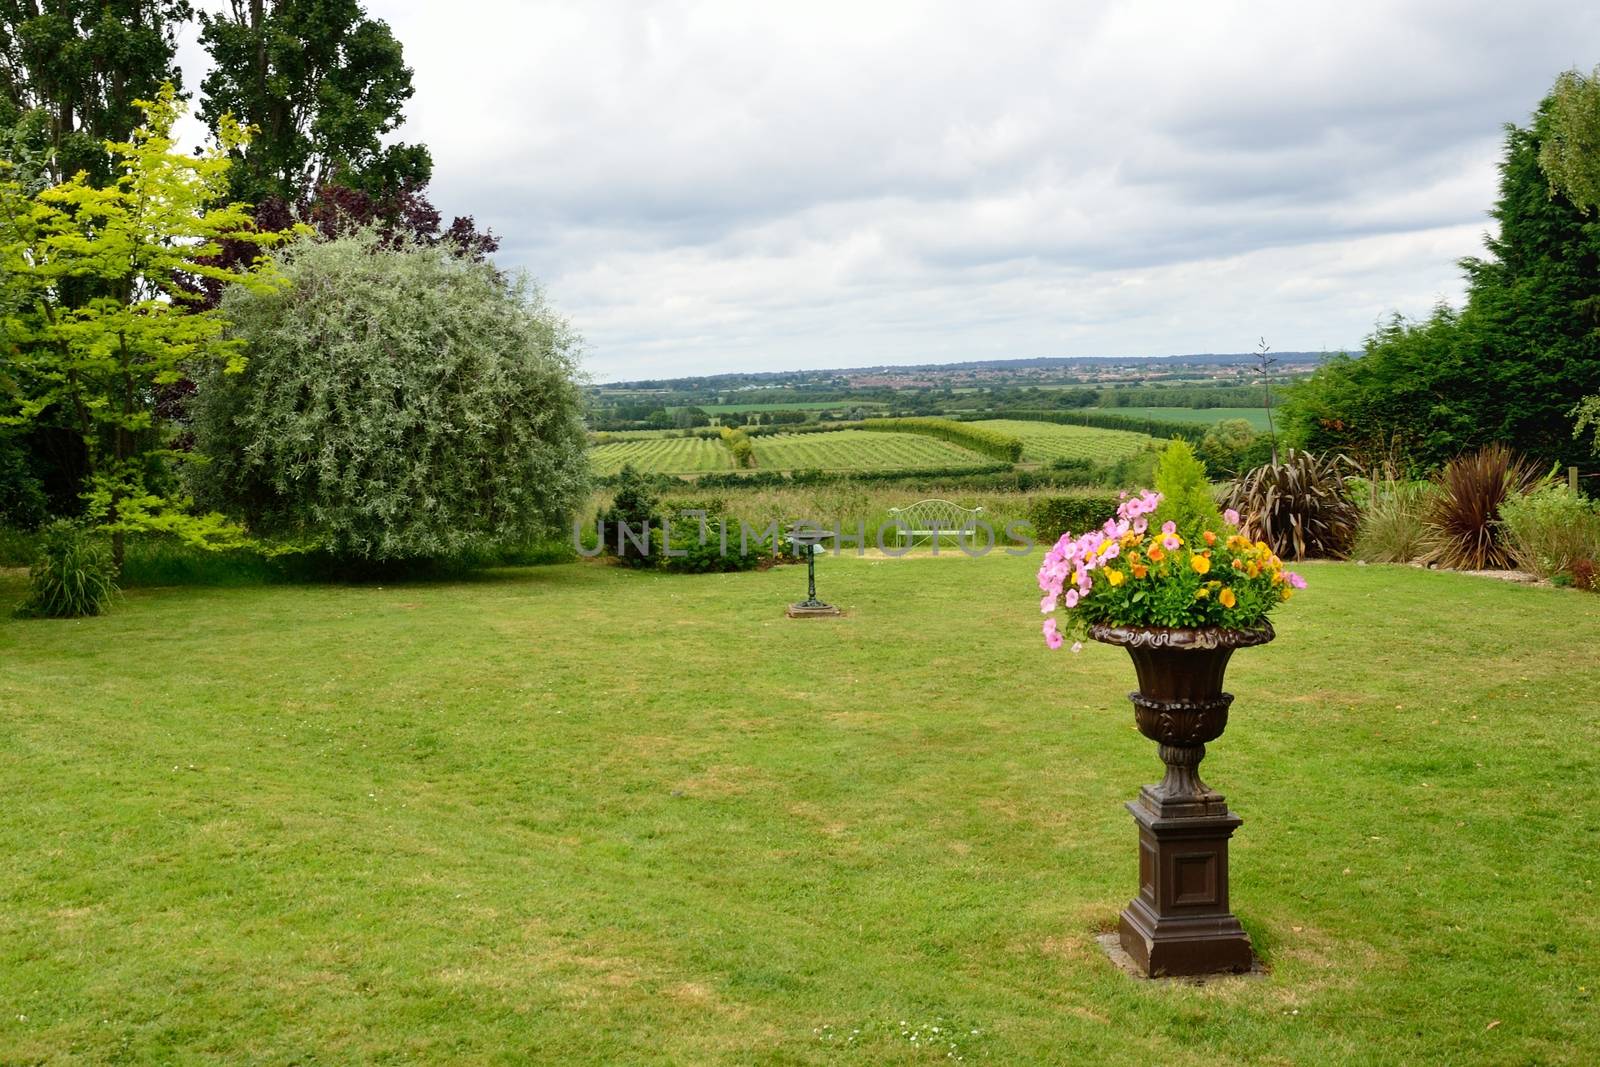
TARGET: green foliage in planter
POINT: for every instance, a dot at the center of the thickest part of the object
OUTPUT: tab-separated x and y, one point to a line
400	402
1551	529
1391	528
72	576
1300	507
1463	518
1052	516
980	439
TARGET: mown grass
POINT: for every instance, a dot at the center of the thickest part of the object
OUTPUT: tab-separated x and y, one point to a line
860	450
570	814
665	455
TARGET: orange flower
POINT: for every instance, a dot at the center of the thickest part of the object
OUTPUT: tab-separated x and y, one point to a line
1156	555
1210	537
1140	570
1227	598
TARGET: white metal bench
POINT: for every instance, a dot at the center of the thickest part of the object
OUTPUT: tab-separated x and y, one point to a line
933	519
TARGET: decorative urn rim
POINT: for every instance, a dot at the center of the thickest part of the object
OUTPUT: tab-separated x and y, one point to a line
1198	637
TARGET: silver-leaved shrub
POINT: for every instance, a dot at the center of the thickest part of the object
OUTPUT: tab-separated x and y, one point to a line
399	402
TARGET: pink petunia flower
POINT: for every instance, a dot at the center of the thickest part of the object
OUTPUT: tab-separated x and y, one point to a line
1169	527
1070	598
1294	579
1051	637
1230	517
1169	541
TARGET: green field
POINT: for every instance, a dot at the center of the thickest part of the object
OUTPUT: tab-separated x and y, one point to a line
573	814
1046	441
864	450
1256	417
663	455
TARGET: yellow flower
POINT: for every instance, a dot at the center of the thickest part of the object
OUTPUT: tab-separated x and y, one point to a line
1202	593
1252	570
1227	598
1200	564
1114	576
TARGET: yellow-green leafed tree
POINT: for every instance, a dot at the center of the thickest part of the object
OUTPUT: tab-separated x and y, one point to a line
103	311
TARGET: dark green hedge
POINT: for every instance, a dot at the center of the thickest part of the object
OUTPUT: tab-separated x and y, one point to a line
1052	516
1163	429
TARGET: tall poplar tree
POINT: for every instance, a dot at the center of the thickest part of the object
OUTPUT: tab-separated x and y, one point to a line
71	72
322	84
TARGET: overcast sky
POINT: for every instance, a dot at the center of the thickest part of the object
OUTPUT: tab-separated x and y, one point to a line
711	187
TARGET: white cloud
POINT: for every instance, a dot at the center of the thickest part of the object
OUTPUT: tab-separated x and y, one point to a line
719	186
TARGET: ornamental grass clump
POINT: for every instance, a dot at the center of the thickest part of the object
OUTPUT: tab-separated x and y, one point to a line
72	577
1391	529
1301	506
1128	573
1463	530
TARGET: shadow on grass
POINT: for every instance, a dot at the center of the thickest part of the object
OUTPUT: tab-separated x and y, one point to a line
153	563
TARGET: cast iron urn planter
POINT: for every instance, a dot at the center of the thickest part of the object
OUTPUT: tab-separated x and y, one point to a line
1179	924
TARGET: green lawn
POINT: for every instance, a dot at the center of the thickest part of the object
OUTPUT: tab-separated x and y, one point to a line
576	815
1256	417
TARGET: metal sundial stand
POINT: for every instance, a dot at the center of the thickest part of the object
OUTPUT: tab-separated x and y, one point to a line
808	539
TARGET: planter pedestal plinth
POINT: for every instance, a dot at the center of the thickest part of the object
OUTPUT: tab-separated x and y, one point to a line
1179	924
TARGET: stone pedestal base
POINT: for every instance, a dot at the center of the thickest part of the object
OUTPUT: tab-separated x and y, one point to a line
811	611
1179	924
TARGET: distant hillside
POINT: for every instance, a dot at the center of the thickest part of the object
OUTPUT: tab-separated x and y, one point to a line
972	368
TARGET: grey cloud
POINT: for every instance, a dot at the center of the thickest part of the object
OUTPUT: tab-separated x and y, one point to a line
707	187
